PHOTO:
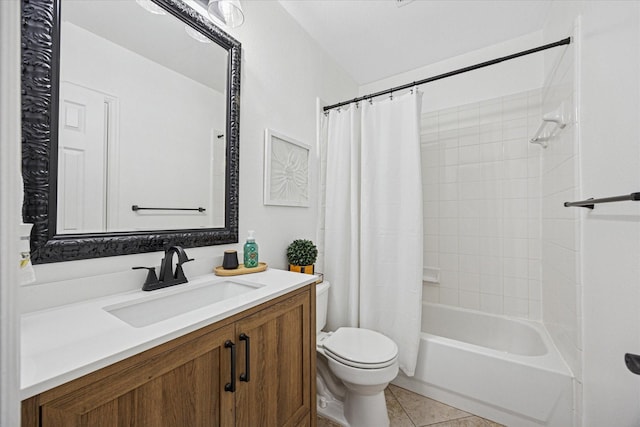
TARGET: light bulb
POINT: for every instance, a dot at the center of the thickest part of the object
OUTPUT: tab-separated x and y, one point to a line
227	12
149	6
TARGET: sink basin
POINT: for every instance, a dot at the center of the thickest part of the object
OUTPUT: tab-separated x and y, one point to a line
149	310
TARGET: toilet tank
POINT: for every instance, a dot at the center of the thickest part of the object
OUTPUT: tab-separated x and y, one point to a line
322	301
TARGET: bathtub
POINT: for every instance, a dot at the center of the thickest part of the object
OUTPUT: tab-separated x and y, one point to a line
500	368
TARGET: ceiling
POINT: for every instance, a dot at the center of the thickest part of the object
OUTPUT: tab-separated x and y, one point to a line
375	39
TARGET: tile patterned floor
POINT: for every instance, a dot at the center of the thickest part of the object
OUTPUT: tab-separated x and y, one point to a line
408	409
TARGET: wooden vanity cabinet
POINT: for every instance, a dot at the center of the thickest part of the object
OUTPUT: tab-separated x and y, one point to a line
187	382
277	393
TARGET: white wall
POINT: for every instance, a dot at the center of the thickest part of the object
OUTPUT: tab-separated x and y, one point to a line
609	156
9	212
498	80
283	71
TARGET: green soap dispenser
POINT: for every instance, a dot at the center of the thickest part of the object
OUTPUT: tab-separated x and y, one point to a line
250	251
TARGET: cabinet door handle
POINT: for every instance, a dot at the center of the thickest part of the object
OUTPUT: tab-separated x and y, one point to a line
231	387
247	354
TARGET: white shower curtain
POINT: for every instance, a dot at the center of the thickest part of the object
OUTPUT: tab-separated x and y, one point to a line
373	220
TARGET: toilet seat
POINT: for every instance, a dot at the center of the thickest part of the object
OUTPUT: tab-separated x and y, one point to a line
360	348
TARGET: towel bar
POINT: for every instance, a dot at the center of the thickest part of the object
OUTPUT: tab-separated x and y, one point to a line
139	208
589	203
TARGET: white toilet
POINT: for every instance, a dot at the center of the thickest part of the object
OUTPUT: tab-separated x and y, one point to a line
354	366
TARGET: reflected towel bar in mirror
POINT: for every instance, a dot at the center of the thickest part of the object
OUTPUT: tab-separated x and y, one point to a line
589	203
138	208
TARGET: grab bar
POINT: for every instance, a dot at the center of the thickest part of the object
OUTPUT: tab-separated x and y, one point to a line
556	117
138	208
589	203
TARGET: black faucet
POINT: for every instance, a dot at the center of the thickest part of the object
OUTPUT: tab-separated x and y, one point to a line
168	277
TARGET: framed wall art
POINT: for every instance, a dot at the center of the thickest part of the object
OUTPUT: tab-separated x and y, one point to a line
286	171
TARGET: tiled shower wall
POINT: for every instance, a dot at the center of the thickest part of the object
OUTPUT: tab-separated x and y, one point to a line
561	280
482	210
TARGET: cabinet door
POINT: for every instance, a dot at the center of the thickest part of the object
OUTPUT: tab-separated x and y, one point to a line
183	386
278	391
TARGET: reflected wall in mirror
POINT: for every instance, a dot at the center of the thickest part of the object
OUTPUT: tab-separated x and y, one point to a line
127	108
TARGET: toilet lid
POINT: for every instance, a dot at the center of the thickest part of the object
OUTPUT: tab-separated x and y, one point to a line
361	348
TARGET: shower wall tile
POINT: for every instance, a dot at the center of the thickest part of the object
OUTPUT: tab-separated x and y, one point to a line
470	300
492	303
449	297
449	261
468	137
431	243
469	226
469	154
489	133
469	264
515	106
431	209
491	284
430	293
517	307
431	192
535	310
431	176
490	111
449	156
431	258
535	290
517	288
560	282
514	130
429	123
449	279
469	116
448	174
448	120
469	282
481	183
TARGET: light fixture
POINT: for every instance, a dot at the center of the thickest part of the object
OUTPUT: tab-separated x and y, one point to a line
151	7
227	12
196	35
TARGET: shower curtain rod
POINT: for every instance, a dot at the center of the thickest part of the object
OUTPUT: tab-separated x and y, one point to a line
452	73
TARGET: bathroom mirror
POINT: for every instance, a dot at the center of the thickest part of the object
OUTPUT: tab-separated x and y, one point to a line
130	127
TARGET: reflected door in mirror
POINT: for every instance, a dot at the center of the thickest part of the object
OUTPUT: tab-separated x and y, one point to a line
82	164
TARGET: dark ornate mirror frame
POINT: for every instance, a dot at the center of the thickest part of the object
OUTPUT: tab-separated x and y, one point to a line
40	69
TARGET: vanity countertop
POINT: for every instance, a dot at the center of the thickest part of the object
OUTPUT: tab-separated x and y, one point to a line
67	342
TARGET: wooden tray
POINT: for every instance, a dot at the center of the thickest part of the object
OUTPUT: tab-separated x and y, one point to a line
262	266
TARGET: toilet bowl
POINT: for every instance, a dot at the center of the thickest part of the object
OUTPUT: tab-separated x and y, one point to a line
354	367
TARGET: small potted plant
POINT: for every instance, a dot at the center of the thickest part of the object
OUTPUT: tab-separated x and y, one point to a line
302	254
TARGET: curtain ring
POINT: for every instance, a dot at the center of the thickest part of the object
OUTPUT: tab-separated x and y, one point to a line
391	96
370	101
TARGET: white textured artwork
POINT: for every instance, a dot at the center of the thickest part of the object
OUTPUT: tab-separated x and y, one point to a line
286	171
